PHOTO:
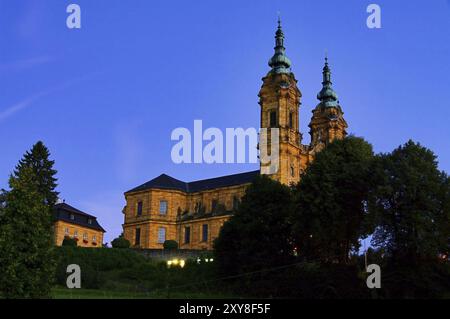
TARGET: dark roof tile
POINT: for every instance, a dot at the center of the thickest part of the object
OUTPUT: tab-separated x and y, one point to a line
167	182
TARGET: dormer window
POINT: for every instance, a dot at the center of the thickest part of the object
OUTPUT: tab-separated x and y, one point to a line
90	221
72	217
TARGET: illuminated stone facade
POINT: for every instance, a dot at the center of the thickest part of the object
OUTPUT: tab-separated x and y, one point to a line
193	213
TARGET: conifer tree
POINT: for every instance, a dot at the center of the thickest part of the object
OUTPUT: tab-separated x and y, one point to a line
27	261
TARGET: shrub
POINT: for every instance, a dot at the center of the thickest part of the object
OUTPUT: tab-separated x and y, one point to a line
69	242
170	245
120	242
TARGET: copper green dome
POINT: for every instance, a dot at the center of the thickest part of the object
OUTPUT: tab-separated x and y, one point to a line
279	62
327	96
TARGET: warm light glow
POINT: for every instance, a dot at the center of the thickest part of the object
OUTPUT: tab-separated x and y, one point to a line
176	262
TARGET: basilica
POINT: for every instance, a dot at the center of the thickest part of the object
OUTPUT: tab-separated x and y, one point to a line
192	213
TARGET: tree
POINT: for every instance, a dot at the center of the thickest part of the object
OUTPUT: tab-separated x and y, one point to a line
120	242
330	213
170	245
27	258
43	173
412	205
257	236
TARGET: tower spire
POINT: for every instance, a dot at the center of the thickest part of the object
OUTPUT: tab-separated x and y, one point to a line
327	96
279	62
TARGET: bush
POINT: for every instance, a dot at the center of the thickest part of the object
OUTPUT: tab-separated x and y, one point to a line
170	245
69	242
120	242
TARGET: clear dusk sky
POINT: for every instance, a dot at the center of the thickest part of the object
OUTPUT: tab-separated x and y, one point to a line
106	98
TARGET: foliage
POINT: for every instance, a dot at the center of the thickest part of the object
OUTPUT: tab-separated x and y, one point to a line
44	180
70	242
257	236
170	245
26	237
330	213
412	205
120	242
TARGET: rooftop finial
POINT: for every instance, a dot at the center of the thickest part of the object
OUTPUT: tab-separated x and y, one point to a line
279	20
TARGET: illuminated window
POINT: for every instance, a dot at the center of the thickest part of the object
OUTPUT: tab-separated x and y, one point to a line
161	235
163	207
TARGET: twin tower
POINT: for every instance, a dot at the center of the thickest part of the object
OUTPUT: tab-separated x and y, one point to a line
279	99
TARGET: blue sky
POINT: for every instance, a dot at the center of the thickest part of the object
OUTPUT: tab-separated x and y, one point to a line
106	98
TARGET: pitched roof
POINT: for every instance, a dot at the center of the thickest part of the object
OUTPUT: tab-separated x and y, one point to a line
164	181
62	211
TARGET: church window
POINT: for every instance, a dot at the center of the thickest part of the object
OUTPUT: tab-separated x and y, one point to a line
137	238
235	202
139	208
161	235
273	119
205	232
187	235
163	207
214	204
291	120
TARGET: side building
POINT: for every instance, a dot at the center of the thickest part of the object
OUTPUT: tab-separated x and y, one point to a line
189	213
70	222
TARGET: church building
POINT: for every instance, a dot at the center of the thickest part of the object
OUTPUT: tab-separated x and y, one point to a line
192	213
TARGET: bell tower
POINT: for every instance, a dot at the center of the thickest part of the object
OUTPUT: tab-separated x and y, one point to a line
279	99
327	122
